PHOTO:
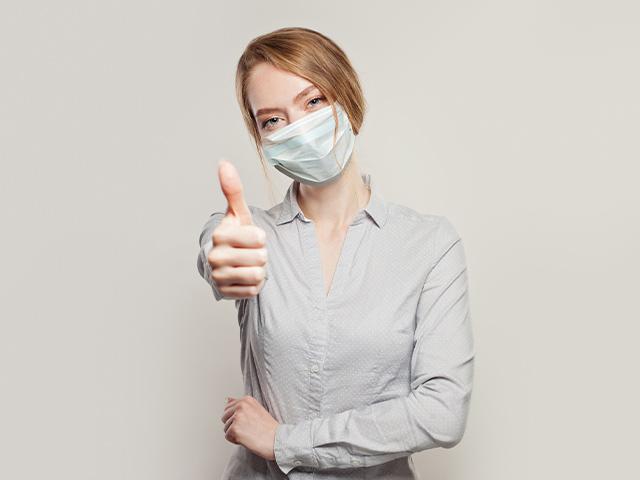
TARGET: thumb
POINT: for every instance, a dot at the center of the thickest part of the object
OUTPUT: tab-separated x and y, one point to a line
234	192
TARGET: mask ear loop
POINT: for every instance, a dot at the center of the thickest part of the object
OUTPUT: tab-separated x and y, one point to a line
335	134
335	130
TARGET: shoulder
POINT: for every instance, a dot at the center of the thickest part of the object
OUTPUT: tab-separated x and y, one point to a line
430	224
436	231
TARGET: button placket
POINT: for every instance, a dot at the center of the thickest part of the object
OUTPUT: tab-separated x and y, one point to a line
318	330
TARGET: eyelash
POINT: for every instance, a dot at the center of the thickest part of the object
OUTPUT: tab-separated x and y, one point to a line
264	124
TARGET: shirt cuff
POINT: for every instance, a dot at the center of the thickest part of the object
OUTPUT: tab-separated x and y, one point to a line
293	446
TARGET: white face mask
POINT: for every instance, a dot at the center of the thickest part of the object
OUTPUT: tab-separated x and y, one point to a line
304	149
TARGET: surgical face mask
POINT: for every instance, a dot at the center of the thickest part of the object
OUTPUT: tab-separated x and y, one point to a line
304	150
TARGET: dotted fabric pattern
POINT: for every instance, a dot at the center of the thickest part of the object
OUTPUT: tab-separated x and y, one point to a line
377	369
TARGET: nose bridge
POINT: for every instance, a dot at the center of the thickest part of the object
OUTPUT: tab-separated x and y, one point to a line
294	113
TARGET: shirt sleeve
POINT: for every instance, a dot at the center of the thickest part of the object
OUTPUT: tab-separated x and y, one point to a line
206	244
434	413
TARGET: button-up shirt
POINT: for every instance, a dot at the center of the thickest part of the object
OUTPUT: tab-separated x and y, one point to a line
377	369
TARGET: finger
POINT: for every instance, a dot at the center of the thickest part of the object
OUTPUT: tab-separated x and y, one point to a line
229	219
243	236
240	276
233	190
228	412
223	256
240	291
228	423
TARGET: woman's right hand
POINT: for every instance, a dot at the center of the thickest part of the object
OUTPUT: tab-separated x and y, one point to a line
238	257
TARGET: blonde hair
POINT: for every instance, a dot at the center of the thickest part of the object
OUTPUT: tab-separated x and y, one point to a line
307	54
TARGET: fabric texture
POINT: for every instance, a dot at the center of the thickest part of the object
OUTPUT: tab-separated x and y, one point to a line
377	369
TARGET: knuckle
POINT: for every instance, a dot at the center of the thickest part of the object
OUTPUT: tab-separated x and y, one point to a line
260	235
262	273
218	235
257	274
216	275
215	256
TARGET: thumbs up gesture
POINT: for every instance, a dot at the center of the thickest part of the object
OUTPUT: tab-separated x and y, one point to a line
238	257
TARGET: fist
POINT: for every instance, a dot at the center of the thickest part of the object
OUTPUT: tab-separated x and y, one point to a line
238	257
248	423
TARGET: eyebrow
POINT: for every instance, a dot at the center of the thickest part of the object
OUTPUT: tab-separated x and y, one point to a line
296	98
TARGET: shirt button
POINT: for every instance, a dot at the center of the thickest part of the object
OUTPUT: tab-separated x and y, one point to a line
314	368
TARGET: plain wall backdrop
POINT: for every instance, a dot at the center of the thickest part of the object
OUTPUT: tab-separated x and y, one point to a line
518	120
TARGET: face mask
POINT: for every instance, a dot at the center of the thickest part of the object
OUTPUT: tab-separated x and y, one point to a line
304	149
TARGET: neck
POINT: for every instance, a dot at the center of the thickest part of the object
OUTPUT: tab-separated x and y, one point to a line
335	203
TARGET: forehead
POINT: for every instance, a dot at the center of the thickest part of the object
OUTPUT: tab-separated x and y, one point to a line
270	87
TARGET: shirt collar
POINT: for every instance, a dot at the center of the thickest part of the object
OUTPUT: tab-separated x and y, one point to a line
376	208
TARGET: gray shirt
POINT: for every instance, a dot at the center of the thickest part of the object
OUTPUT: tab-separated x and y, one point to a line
376	370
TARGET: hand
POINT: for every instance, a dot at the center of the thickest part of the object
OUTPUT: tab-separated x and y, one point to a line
239	255
247	423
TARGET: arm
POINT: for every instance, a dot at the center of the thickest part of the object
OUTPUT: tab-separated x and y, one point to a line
433	414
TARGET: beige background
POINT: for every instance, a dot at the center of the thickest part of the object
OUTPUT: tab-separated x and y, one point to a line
518	120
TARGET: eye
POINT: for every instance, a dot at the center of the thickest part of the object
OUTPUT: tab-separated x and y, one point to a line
315	98
268	122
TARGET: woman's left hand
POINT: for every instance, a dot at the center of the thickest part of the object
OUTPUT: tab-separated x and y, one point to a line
247	423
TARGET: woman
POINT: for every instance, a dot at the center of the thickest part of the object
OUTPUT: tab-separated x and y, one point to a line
356	339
